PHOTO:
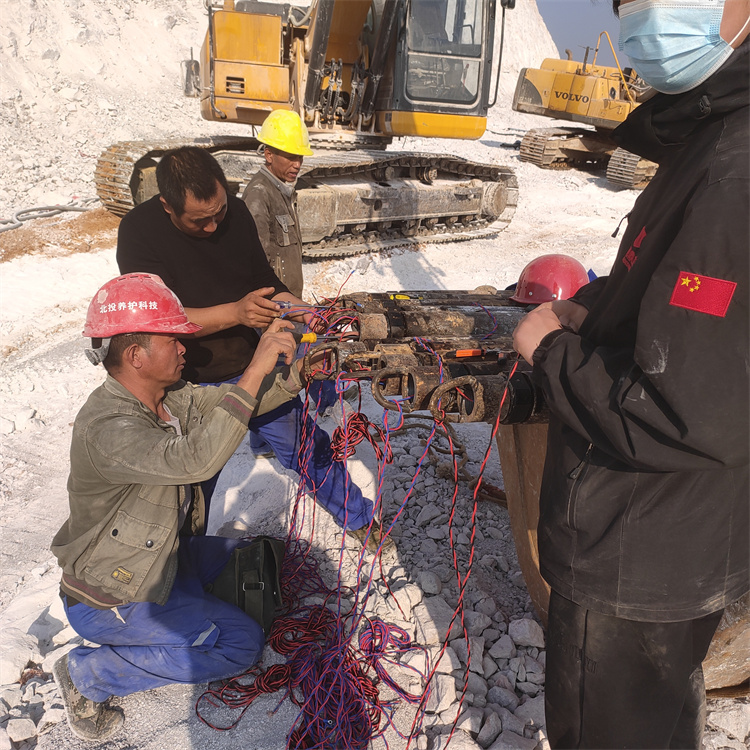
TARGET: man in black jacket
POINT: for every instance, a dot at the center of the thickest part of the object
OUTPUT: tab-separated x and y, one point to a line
643	530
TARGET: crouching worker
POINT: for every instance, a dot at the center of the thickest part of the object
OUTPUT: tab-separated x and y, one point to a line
133	552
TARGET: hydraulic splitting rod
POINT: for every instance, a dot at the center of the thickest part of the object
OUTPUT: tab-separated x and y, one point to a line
449	352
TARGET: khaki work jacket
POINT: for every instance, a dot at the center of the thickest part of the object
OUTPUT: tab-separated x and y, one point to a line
128	474
275	216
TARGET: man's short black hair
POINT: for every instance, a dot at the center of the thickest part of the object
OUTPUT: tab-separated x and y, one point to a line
188	168
117	346
616	7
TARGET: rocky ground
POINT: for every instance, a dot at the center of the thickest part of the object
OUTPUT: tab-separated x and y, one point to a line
503	706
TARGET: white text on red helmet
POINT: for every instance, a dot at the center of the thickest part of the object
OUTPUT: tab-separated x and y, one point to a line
132	305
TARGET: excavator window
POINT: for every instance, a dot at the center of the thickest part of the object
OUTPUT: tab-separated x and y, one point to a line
444	38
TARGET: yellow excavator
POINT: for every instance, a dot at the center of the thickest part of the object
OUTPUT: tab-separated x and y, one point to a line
360	73
596	95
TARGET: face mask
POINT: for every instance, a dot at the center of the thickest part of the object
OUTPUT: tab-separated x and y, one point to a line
674	46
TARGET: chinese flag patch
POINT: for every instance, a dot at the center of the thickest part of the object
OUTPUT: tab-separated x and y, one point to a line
702	293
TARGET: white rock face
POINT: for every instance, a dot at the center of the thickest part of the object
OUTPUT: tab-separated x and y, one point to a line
443	693
16	651
79	75
734	721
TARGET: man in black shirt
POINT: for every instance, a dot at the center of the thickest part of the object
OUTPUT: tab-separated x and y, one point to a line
202	242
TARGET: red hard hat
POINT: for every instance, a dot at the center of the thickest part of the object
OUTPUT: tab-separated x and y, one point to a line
136	303
549	278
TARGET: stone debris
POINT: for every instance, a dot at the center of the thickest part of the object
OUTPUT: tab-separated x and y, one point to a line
471	721
459	741
734	721
526	633
442	693
512	741
490	730
503	705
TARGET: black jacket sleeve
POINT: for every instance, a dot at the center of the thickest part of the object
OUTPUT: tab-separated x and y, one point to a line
589	293
678	400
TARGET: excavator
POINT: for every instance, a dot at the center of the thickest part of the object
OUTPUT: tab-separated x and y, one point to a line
360	73
595	95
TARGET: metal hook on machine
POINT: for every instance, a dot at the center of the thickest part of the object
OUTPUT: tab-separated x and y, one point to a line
462	414
380	392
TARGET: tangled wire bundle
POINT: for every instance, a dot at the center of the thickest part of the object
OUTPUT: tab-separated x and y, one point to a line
336	685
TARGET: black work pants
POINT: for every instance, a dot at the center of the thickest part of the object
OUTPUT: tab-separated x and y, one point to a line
614	683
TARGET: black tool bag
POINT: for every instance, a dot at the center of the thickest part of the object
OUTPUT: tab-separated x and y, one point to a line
251	580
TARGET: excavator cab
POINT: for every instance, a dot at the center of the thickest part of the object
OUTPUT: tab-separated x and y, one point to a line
369	67
444	48
439	84
359	73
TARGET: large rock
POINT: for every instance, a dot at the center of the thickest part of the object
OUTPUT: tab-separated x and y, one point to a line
476	622
442	693
728	660
504	697
526	632
511	722
459	741
20	729
476	645
490	731
511	741
532	712
489	667
734	721
471	720
449	661
432	617
427	514
430	582
475	684
504	648
17	649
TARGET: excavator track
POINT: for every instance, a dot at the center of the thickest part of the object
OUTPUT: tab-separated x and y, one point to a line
116	174
537	147
361	177
563	148
629	170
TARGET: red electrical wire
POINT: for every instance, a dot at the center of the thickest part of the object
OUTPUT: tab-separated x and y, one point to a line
334	684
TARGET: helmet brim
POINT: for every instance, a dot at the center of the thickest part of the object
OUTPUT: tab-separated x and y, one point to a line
187	328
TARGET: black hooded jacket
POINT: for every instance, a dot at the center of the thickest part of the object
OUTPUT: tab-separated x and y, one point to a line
644	504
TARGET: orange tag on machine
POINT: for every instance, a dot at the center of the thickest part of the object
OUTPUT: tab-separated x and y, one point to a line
469	353
702	293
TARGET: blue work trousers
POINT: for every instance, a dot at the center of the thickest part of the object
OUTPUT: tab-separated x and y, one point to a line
327	479
192	638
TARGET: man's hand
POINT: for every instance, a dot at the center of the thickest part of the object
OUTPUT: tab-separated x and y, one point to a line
255	310
276	342
534	326
569	313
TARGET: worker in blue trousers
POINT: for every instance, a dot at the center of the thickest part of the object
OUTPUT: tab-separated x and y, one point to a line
203	242
134	555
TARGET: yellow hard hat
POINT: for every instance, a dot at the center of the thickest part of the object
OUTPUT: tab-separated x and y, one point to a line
285	131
